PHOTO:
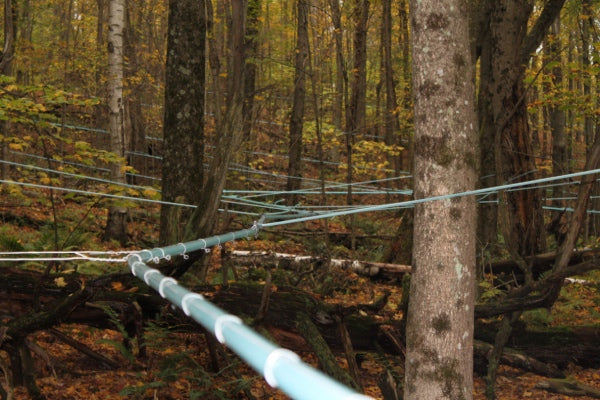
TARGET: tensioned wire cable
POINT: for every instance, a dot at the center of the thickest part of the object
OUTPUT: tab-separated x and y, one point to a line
297	209
414	202
79	176
90	255
87	192
314	215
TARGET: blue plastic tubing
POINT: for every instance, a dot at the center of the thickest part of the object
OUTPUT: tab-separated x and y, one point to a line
280	367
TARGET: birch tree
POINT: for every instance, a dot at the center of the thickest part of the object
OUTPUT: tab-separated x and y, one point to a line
439	334
116	224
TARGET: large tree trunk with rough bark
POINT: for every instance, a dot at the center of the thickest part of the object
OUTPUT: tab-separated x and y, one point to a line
183	131
229	136
439	333
506	45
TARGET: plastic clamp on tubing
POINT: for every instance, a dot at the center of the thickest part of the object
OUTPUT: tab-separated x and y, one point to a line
163	282
219	325
186	299
272	358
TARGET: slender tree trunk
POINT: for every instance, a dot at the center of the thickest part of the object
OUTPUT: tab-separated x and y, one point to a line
204	217
294	180
116	224
341	77
557	117
6	59
587	27
487	232
214	61
406	137
251	53
439	333
135	132
183	169
391	103
356	110
100	112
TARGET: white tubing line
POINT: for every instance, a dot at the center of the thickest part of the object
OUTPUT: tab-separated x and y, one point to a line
271	361
219	325
186	299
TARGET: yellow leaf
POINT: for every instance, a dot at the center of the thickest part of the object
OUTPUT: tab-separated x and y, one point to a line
118	286
15	146
60	282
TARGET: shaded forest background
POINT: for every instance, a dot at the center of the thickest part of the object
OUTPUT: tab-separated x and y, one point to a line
350	144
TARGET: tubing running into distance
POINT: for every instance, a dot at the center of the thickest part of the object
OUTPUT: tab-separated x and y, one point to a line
280	367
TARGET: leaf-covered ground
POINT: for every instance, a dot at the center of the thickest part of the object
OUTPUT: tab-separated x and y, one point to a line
178	365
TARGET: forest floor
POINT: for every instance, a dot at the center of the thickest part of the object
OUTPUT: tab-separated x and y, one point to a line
178	366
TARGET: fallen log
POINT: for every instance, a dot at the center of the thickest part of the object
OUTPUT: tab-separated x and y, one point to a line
295	261
569	387
516	359
539	263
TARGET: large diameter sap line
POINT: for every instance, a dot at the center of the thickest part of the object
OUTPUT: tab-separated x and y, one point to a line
197	245
280	367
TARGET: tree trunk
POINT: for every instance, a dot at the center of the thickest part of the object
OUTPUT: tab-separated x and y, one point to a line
116	223
6	58
251	53
391	103
135	131
183	169
439	333
294	179
203	218
521	217
341	78
487	231
356	110
560	160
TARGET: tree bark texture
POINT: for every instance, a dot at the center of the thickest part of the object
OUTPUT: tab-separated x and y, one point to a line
439	334
251	52
116	224
183	170
229	136
391	103
510	46
294	179
341	77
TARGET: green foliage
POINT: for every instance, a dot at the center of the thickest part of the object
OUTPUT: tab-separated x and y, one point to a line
118	345
540	317
488	291
9	242
178	366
